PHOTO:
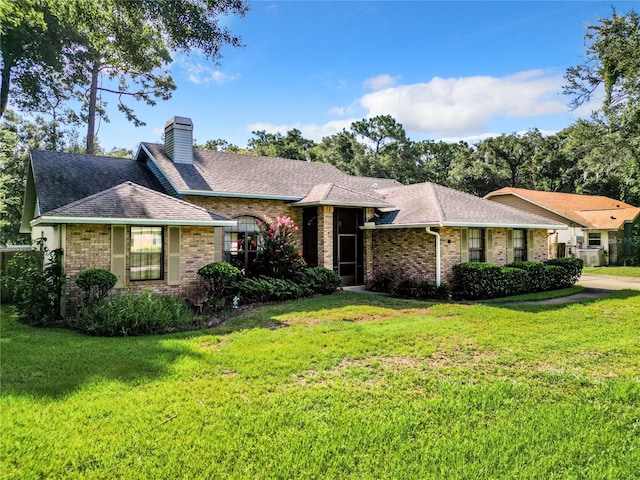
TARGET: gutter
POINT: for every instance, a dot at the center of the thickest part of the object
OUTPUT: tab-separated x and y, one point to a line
437	235
48	220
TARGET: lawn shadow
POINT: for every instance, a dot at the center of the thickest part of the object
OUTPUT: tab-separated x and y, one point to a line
54	362
564	302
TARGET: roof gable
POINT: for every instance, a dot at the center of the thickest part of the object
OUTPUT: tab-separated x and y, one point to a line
130	203
591	211
431	204
62	178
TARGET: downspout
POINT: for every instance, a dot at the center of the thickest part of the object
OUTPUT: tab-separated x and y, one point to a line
437	235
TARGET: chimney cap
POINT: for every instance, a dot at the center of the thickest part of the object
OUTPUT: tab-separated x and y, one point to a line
184	121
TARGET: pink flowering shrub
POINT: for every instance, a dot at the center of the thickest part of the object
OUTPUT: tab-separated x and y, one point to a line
278	255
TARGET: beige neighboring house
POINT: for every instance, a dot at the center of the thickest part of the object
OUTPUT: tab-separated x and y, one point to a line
154	220
599	228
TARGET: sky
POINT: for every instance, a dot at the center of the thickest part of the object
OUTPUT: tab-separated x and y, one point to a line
446	70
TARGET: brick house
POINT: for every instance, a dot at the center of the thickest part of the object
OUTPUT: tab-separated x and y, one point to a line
154	220
600	229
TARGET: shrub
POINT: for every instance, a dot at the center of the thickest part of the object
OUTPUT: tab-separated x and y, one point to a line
421	290
134	314
38	284
476	280
319	280
267	289
384	279
278	255
573	269
218	277
95	284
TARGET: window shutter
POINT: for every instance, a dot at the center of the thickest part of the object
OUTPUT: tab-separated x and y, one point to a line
509	245
530	245
489	246
119	254
173	263
464	245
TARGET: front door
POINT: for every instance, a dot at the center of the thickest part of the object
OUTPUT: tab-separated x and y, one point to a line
349	245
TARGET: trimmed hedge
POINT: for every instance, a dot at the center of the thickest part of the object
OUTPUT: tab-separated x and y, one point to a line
95	284
479	281
309	281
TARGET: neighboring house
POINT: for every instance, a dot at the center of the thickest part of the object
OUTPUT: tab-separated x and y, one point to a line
600	228
156	219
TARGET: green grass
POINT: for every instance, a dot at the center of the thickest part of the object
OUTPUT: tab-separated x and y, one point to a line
616	271
345	386
537	296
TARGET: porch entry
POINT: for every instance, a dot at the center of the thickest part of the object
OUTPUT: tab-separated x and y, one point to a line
348	245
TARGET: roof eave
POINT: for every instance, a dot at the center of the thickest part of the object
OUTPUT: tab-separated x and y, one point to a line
467	225
342	204
544	207
55	220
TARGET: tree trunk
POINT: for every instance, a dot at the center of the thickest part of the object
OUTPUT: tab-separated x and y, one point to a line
91	117
4	88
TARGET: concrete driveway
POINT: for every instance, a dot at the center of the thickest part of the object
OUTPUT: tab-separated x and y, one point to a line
608	282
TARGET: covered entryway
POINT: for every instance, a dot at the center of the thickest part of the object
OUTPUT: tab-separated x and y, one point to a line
349	245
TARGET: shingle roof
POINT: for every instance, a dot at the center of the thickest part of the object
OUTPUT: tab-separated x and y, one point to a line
233	174
129	201
330	194
431	204
593	211
62	178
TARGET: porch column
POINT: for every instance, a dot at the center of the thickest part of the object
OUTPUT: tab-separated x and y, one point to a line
325	236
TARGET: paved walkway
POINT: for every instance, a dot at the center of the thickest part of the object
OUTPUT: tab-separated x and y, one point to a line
609	282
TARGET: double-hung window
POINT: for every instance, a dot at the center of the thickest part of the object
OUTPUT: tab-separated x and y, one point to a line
519	245
476	245
146	253
595	240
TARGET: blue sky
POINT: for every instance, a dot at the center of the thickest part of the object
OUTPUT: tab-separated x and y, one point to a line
445	70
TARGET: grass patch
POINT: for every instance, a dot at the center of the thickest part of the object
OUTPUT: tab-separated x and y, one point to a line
532	297
615	271
344	386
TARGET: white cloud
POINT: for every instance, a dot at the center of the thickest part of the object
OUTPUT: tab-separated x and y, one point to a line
199	71
450	107
310	130
381	81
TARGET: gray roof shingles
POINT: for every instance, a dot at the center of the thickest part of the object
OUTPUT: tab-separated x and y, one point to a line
432	204
237	174
62	178
131	201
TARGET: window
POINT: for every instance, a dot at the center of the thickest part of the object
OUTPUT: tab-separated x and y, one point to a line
519	245
476	245
594	240
241	243
146	253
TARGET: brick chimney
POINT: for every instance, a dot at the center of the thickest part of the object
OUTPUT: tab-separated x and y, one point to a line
178	140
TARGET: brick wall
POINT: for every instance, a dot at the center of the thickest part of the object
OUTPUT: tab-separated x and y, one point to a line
89	246
411	251
236	207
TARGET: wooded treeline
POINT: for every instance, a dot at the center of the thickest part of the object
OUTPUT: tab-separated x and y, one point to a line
599	155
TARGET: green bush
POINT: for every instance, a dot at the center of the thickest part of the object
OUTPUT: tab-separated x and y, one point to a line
572	267
318	280
219	278
134	314
267	289
476	281
421	290
95	284
38	284
384	279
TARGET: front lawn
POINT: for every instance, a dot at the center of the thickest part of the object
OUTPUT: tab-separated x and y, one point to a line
616	271
344	386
